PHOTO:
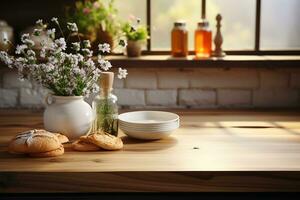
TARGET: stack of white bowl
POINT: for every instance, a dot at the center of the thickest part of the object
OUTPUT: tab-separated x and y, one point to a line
148	125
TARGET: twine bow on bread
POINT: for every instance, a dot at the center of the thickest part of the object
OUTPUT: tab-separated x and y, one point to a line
29	135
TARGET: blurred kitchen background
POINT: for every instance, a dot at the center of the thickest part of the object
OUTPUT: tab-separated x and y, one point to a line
184	87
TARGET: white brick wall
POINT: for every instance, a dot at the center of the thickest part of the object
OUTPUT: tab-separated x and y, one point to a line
8	98
196	97
10	80
273	79
118	83
276	98
32	98
141	80
173	87
161	97
130	97
220	78
229	97
170	80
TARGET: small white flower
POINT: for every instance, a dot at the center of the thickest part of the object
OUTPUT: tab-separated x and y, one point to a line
86	44
29	42
24	37
20	63
90	64
6	58
104	47
21	48
39	22
76	70
72	27
31	58
95	89
20	59
73	60
76	46
55	20
122	73
43	53
43	43
30	52
105	65
80	57
82	73
53	60
51	33
60	43
87	52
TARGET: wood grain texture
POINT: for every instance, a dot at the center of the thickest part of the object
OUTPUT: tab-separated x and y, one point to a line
212	151
149	182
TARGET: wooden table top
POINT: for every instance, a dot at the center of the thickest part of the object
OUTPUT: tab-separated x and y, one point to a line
211	151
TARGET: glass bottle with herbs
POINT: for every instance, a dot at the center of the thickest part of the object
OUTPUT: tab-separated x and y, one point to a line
105	106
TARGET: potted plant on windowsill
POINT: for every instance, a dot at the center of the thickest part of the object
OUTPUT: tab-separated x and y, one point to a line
69	76
136	36
96	20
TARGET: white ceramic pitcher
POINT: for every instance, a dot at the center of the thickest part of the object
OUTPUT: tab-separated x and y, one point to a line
69	115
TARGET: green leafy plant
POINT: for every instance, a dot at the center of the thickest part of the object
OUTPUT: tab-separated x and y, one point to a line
135	33
93	15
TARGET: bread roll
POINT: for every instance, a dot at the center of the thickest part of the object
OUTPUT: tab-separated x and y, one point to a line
62	138
34	141
57	152
79	145
105	141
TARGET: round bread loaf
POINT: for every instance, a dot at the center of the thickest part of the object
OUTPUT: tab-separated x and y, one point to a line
62	138
34	141
57	152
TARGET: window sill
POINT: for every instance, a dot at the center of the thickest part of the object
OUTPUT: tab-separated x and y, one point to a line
165	61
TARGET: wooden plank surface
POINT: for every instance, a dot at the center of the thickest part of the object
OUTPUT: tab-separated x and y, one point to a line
211	151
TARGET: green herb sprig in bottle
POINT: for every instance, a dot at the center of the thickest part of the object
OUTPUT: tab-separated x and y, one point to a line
105	105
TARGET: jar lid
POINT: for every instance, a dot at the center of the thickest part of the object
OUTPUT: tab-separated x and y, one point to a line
203	23
179	23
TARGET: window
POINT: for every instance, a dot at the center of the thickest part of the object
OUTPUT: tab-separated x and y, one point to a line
163	15
129	8
280	26
248	26
238	26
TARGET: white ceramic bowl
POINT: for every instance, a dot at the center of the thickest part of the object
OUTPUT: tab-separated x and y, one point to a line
148	125
148	135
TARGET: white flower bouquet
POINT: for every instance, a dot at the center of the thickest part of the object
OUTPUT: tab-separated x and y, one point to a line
65	73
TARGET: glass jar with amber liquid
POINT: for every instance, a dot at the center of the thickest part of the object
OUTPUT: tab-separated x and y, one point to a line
179	39
203	40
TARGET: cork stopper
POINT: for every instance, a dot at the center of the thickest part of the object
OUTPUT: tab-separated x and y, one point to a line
106	82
